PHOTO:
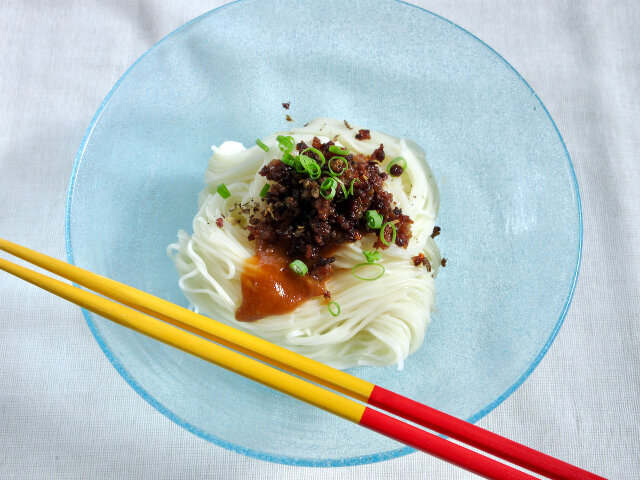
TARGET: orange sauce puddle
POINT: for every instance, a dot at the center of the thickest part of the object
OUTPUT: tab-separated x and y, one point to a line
269	286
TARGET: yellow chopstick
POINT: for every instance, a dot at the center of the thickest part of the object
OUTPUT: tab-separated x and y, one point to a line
163	332
199	324
271	377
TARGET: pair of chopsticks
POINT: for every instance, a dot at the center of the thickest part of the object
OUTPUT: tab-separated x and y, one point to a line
172	324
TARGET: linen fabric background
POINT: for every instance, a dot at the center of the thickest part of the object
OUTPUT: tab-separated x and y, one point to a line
64	410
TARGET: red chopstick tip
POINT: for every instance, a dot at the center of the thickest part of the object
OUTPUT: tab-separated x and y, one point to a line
477	437
439	447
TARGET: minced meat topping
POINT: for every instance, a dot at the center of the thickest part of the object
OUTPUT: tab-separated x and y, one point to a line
363	134
295	216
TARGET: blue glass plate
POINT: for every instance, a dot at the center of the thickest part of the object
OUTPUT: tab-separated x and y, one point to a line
510	214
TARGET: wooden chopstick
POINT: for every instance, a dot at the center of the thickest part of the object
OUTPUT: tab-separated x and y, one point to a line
335	379
271	377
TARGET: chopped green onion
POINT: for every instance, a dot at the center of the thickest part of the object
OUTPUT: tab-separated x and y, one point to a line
393	236
337	149
261	144
329	183
298	164
374	219
337	174
286	144
317	152
400	160
372	256
335	311
351	187
265	190
288	159
306	162
329	195
223	191
314	170
368	264
298	267
344	189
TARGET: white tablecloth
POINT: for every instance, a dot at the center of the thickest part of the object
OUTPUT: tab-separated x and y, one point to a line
64	410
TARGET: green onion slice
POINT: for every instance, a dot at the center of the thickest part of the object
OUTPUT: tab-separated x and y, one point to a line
223	191
351	186
335	311
329	195
298	165
328	184
337	174
345	192
306	162
261	144
286	143
309	165
298	267
359	266
317	152
265	190
314	170
400	160
288	159
374	219
372	256
393	235
338	150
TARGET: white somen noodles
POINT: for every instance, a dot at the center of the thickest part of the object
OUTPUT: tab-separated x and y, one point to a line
381	322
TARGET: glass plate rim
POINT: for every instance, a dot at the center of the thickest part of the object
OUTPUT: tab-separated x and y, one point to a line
283	459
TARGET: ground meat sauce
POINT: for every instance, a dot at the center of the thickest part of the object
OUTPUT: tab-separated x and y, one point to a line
420	259
378	154
396	170
305	226
363	134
